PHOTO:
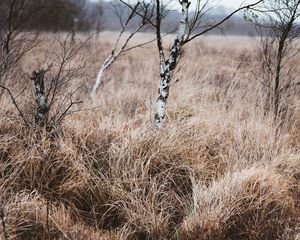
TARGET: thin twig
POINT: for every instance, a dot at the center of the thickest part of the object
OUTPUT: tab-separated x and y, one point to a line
222	21
15	103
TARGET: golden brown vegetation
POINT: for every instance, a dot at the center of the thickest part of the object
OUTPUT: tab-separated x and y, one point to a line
218	170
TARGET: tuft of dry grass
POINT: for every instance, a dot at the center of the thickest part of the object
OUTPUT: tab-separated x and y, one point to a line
28	215
255	203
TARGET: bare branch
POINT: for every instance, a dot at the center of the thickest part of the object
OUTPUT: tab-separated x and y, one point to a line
158	37
13	99
143	10
223	20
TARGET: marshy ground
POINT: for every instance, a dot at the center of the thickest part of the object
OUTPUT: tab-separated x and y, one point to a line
218	170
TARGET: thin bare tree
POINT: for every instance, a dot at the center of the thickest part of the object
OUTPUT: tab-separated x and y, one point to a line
277	24
140	15
188	30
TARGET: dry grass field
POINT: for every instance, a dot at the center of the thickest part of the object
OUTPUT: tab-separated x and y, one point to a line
218	170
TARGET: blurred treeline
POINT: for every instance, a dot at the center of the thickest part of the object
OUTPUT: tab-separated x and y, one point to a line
86	15
51	15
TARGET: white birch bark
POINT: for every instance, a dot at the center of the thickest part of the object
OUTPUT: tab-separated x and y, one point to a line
113	57
41	99
104	66
167	68
146	16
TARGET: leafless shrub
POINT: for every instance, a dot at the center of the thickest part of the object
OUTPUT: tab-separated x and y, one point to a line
53	101
276	22
16	38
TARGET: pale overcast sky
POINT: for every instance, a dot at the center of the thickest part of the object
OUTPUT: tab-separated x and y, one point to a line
230	3
234	3
226	3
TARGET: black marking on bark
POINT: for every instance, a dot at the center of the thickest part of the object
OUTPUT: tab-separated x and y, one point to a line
166	89
170	64
162	98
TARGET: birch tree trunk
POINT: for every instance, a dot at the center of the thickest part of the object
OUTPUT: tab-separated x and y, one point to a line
167	67
142	10
108	61
41	99
113	56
